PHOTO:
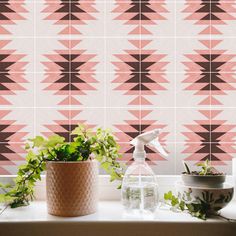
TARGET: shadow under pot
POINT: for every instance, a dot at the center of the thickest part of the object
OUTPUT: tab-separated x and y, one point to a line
72	187
208	181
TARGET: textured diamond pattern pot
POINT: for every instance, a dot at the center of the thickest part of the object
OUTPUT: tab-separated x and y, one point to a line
72	188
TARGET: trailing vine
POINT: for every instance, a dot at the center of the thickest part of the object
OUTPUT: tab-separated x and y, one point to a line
200	207
86	145
179	203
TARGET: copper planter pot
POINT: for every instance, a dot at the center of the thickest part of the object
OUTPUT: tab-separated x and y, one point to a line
72	188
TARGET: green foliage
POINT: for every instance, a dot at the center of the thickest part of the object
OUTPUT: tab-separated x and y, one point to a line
197	209
86	145
186	168
200	207
206	168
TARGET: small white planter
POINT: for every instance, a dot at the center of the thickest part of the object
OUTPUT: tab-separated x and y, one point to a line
207	181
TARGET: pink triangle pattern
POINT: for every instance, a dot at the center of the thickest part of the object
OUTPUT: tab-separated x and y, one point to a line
210	72
223	67
63	127
59	126
210	138
12	69
132	128
134	72
139	71
140	14
70	14
11	141
70	72
11	11
210	14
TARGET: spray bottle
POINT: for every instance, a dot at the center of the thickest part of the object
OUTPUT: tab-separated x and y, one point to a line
139	187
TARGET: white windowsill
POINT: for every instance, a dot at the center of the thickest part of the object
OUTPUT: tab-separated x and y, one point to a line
110	220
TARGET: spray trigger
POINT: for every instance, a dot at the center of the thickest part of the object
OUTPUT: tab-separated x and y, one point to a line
148	138
157	146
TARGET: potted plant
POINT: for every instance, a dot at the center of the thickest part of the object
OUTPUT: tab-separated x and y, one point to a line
201	193
71	171
207	176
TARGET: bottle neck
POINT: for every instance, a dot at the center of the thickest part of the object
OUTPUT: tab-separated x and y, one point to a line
138	160
139	156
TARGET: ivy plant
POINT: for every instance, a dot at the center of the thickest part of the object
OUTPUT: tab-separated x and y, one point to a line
86	145
200	207
180	203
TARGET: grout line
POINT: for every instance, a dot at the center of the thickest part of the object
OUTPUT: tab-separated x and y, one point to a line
175	97
115	37
116	107
105	67
210	85
70	62
120	72
34	76
166	142
139	70
113	72
104	1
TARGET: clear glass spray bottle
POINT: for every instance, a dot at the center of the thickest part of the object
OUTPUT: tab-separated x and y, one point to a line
139	187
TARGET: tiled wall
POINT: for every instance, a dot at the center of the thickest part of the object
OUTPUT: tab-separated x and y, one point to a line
124	64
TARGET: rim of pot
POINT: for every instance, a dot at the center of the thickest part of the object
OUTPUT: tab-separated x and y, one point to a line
226	186
203	175
68	162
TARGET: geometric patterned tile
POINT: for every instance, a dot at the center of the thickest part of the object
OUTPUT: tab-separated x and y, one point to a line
127	65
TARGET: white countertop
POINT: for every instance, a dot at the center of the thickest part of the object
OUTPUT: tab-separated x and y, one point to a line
110	220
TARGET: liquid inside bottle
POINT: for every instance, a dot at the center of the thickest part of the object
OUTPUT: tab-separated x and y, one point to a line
139	189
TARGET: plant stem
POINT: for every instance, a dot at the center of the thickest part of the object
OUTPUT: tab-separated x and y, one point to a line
225	218
4	209
25	195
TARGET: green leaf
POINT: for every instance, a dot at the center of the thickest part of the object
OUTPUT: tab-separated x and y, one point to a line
186	168
206	168
6	199
54	140
5	186
174	201
119	186
168	196
200	164
182	205
37	141
27	146
105	166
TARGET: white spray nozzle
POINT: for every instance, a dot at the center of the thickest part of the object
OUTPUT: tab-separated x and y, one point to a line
158	147
148	138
